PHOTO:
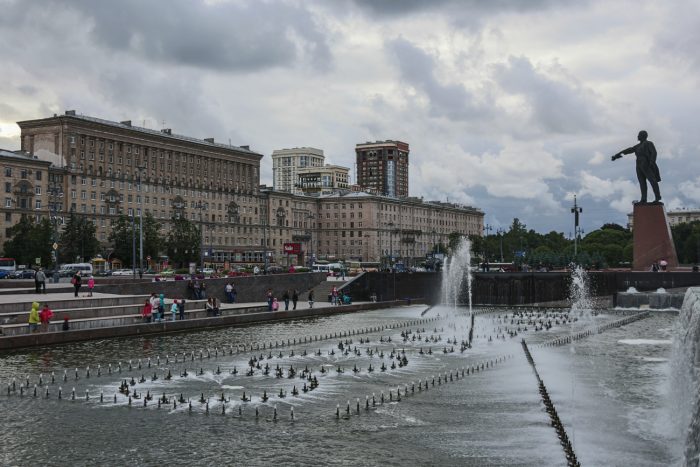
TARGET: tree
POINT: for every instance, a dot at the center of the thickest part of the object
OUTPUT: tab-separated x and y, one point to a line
121	238
78	240
28	240
686	237
184	242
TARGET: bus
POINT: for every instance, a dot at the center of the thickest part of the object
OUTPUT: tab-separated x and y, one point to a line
71	268
8	264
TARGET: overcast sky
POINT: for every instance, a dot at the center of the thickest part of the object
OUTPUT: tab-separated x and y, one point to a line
509	105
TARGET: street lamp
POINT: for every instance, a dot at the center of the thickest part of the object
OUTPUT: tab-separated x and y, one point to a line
55	194
311	217
500	233
487	229
140	208
391	244
201	206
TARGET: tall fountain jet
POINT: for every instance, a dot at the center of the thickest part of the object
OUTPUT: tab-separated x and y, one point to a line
457	271
685	376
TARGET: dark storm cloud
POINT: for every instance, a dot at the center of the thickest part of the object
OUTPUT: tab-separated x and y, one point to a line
451	100
242	36
557	106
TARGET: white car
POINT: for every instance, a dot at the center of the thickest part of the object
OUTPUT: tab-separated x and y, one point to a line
122	272
207	271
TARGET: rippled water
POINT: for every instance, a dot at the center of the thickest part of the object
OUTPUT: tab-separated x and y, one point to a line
610	391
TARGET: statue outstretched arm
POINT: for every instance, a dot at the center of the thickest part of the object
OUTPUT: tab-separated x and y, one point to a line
624	151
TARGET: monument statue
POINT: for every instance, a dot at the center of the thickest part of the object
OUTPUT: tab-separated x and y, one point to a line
647	170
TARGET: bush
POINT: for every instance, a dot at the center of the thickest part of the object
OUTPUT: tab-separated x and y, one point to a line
182	271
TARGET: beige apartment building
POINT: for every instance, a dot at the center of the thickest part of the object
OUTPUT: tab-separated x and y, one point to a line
675	217
101	169
322	180
286	164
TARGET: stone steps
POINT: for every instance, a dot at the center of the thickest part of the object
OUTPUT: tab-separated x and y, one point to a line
72	303
194	309
322	290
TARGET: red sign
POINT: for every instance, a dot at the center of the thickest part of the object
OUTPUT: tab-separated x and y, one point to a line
292	248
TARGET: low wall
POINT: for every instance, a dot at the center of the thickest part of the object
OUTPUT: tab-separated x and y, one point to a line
51	338
511	288
249	288
651	300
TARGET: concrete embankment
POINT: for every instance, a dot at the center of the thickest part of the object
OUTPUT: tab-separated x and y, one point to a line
255	315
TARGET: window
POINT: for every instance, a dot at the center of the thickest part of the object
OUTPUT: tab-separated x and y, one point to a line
37	190
8	187
8	202
8	217
8	171
37	204
38	175
23	174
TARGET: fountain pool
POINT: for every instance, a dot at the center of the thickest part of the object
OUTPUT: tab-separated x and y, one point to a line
612	394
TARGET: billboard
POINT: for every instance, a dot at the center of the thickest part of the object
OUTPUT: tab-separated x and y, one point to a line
292	248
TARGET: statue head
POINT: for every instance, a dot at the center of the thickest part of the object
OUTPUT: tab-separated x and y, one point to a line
642	136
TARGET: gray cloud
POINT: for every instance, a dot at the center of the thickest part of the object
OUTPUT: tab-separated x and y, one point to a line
240	36
558	106
451	100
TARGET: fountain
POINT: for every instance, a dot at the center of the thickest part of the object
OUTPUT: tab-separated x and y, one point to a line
456	270
685	376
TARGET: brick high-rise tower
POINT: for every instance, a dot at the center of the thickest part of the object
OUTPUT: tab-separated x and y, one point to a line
383	166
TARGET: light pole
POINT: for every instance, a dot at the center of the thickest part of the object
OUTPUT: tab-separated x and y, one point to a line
311	217
201	206
487	229
140	208
264	227
391	245
133	245
576	210
500	233
55	193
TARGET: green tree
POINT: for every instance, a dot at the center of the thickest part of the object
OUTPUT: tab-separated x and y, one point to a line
184	241
78	240
121	238
28	240
609	243
686	237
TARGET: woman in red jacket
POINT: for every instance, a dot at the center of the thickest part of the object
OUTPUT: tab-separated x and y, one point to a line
147	311
45	316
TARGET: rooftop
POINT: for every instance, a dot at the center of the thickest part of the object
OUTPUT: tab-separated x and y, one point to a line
165	133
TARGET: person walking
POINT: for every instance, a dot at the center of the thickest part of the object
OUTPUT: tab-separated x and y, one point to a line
233	293
215	306
228	289
295	299
147	311
275	304
77	282
311	298
91	285
269	299
286	297
45	316
161	307
174	309
181	309
203	290
34	318
40	281
197	290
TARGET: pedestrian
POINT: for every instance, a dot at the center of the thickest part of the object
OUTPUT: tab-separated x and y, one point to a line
161	307
34	318
190	289
275	304
40	281
228	289
91	285
311	298
663	264
147	311
45	316
140	273
286	297
77	282
234	293
209	307
203	290
66	324
215	306
334	296
269	299
181	308
197	290
154	307
295	299
174	309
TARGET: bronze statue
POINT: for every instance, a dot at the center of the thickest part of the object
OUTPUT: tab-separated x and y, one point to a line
647	170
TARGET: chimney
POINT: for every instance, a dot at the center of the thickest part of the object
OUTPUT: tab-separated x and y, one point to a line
246	147
209	140
126	122
70	113
167	131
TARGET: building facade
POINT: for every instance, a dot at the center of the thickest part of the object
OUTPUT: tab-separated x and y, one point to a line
383	166
286	164
105	169
78	165
322	180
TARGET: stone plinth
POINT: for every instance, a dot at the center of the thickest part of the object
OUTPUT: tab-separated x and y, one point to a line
652	237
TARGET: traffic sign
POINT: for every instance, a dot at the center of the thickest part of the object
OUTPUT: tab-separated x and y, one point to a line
55	246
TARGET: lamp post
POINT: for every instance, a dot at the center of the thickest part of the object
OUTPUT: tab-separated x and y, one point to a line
140	208
133	244
55	194
487	229
201	206
500	233
576	211
391	245
311	218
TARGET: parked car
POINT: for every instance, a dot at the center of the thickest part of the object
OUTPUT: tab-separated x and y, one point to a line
28	274
207	271
123	272
167	273
4	274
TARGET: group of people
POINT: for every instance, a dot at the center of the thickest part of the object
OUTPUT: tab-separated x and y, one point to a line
42	318
287	296
198	290
77	282
338	297
154	309
662	265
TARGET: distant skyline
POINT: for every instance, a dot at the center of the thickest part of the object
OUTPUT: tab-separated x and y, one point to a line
509	106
